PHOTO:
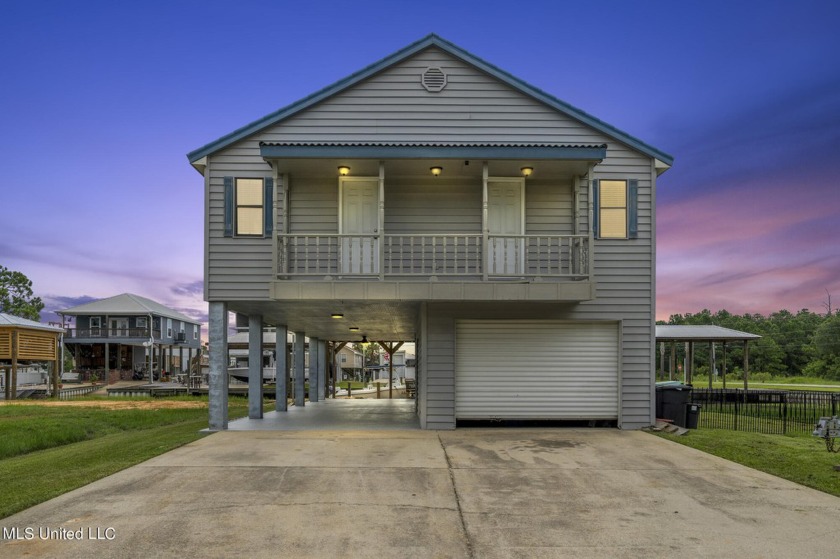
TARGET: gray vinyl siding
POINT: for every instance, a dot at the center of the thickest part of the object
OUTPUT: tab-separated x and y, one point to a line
313	205
432	206
392	107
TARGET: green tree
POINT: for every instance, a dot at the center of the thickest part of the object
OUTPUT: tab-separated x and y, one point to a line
16	297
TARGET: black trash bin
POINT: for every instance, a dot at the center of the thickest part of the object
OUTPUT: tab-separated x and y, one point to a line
692	416
672	399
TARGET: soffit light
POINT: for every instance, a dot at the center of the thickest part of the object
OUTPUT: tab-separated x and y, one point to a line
354	328
436	171
337	315
344	170
526	171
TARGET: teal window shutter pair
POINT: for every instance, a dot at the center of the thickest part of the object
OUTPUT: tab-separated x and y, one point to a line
268	206
632	208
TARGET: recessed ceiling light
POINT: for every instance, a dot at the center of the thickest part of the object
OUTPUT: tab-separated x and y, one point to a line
337	315
354	328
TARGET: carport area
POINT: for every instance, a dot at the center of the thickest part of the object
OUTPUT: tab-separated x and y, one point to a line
337	415
468	493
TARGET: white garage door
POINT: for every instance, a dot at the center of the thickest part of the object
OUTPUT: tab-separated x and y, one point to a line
536	369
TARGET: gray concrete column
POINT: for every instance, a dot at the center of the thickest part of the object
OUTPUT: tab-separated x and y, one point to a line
255	374
300	373
218	332
281	357
314	382
322	369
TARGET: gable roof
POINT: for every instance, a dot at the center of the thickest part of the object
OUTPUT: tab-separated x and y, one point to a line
404	53
18	322
127	303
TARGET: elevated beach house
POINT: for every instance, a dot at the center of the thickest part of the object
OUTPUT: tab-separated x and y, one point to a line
433	197
125	335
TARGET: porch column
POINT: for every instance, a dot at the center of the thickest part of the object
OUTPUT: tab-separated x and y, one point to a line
218	334
313	369
281	358
381	220
322	369
255	374
181	358
672	361
485	176
107	359
300	374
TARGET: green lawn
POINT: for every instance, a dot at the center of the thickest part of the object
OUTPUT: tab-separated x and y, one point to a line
799	458
46	451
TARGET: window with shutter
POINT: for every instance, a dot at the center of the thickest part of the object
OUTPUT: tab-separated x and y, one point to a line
612	213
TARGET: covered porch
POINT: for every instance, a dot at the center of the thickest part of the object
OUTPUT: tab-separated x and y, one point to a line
457	214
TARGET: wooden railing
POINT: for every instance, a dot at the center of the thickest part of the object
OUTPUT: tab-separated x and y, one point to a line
421	255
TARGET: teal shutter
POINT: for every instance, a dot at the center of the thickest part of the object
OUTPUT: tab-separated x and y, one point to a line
228	206
595	209
268	206
633	209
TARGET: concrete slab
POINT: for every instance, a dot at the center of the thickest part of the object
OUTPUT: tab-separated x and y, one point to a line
338	414
470	493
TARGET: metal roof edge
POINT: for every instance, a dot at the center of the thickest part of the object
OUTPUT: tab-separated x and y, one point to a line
454	50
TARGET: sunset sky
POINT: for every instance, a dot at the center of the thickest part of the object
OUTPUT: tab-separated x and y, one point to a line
101	101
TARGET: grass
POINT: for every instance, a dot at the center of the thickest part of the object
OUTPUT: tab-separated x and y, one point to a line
355	385
47	451
797	457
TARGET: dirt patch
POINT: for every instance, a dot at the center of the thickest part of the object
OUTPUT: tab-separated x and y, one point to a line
114	404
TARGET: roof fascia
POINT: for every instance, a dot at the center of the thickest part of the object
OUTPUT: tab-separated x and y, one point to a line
564	153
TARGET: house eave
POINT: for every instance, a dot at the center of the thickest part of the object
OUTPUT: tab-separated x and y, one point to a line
595	153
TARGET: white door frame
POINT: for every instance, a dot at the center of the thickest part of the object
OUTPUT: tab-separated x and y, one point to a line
347	245
520	264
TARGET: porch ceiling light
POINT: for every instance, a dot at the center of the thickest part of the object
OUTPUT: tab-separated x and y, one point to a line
343	170
364	339
337	315
526	171
354	328
436	171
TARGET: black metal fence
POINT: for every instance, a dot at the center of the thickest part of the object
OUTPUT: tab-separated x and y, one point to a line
764	411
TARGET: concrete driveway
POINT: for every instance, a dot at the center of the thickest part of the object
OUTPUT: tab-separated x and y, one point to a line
473	493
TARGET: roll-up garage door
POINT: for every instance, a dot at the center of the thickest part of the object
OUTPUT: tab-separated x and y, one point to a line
536	369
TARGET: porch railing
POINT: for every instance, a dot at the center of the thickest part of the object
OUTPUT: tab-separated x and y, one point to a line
109	333
420	255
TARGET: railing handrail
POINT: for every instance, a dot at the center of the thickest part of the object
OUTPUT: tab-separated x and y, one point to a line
434	254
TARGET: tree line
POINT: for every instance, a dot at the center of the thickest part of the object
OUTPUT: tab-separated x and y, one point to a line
801	344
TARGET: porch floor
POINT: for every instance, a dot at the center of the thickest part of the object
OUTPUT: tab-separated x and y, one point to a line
337	415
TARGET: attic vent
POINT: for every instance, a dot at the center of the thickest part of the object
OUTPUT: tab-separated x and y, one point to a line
433	79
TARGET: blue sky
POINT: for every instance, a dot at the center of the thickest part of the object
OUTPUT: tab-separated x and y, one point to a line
101	101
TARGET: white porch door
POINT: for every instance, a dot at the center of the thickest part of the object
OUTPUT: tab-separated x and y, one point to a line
359	224
505	224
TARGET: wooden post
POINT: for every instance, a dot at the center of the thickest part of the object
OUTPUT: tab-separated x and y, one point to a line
390	349
723	367
13	381
673	361
662	359
711	363
56	393
7	372
746	365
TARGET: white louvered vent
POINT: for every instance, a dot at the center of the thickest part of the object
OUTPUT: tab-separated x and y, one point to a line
433	79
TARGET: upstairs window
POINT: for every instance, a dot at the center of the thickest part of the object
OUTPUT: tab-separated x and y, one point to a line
248	207
616	209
